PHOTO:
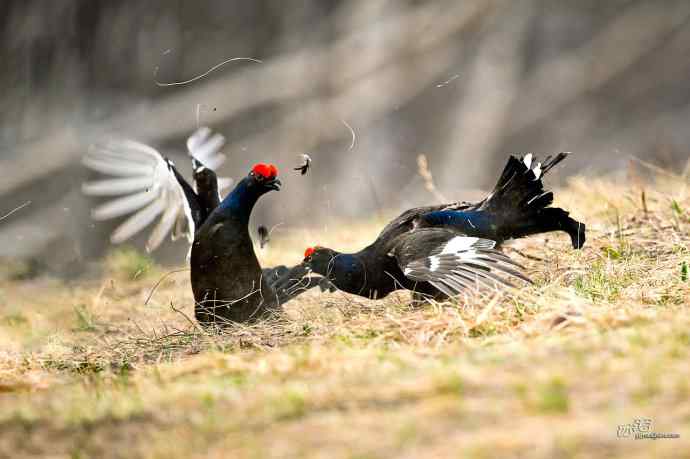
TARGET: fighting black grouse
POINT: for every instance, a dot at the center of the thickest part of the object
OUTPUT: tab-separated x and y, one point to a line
153	187
443	250
227	280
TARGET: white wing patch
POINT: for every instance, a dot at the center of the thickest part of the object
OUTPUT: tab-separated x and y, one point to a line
462	243
144	186
147	189
434	263
464	263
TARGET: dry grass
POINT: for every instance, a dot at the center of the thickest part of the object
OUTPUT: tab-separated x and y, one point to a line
603	337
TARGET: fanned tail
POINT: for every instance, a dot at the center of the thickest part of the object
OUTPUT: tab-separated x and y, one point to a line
521	204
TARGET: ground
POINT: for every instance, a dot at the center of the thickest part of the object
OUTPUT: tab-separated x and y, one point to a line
93	369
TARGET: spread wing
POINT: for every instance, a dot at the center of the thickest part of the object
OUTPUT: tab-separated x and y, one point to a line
146	187
452	262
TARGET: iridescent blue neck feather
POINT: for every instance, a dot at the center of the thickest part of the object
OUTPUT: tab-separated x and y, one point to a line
240	202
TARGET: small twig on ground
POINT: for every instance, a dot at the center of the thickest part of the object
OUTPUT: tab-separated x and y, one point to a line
155	287
194	323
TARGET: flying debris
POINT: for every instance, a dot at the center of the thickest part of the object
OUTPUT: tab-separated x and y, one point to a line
306	164
264	236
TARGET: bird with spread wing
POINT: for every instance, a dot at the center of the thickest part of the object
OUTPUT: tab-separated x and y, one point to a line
147	187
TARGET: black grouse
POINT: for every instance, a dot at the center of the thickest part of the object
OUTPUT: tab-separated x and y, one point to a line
154	187
227	280
443	250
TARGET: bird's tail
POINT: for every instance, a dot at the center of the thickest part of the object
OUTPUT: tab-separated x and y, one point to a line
520	203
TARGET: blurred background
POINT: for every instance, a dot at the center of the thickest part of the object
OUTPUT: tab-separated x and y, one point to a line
465	83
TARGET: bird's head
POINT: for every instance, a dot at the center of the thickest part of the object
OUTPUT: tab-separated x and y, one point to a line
265	177
319	259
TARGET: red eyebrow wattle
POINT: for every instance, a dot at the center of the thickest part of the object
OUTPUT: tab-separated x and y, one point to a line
268	171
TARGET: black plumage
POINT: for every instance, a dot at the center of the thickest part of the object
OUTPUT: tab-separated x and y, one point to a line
226	277
445	249
202	202
206	183
227	280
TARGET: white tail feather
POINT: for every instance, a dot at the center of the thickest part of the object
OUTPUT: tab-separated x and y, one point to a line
197	138
527	160
209	148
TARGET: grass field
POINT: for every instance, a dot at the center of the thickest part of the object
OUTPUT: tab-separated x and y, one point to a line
602	339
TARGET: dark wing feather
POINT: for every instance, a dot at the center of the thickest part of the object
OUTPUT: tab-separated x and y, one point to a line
291	282
405	222
272	275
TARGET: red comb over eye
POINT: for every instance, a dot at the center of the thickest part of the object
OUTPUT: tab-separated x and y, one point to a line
267	171
309	252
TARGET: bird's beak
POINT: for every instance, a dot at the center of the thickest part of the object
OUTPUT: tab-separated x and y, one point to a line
274	184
